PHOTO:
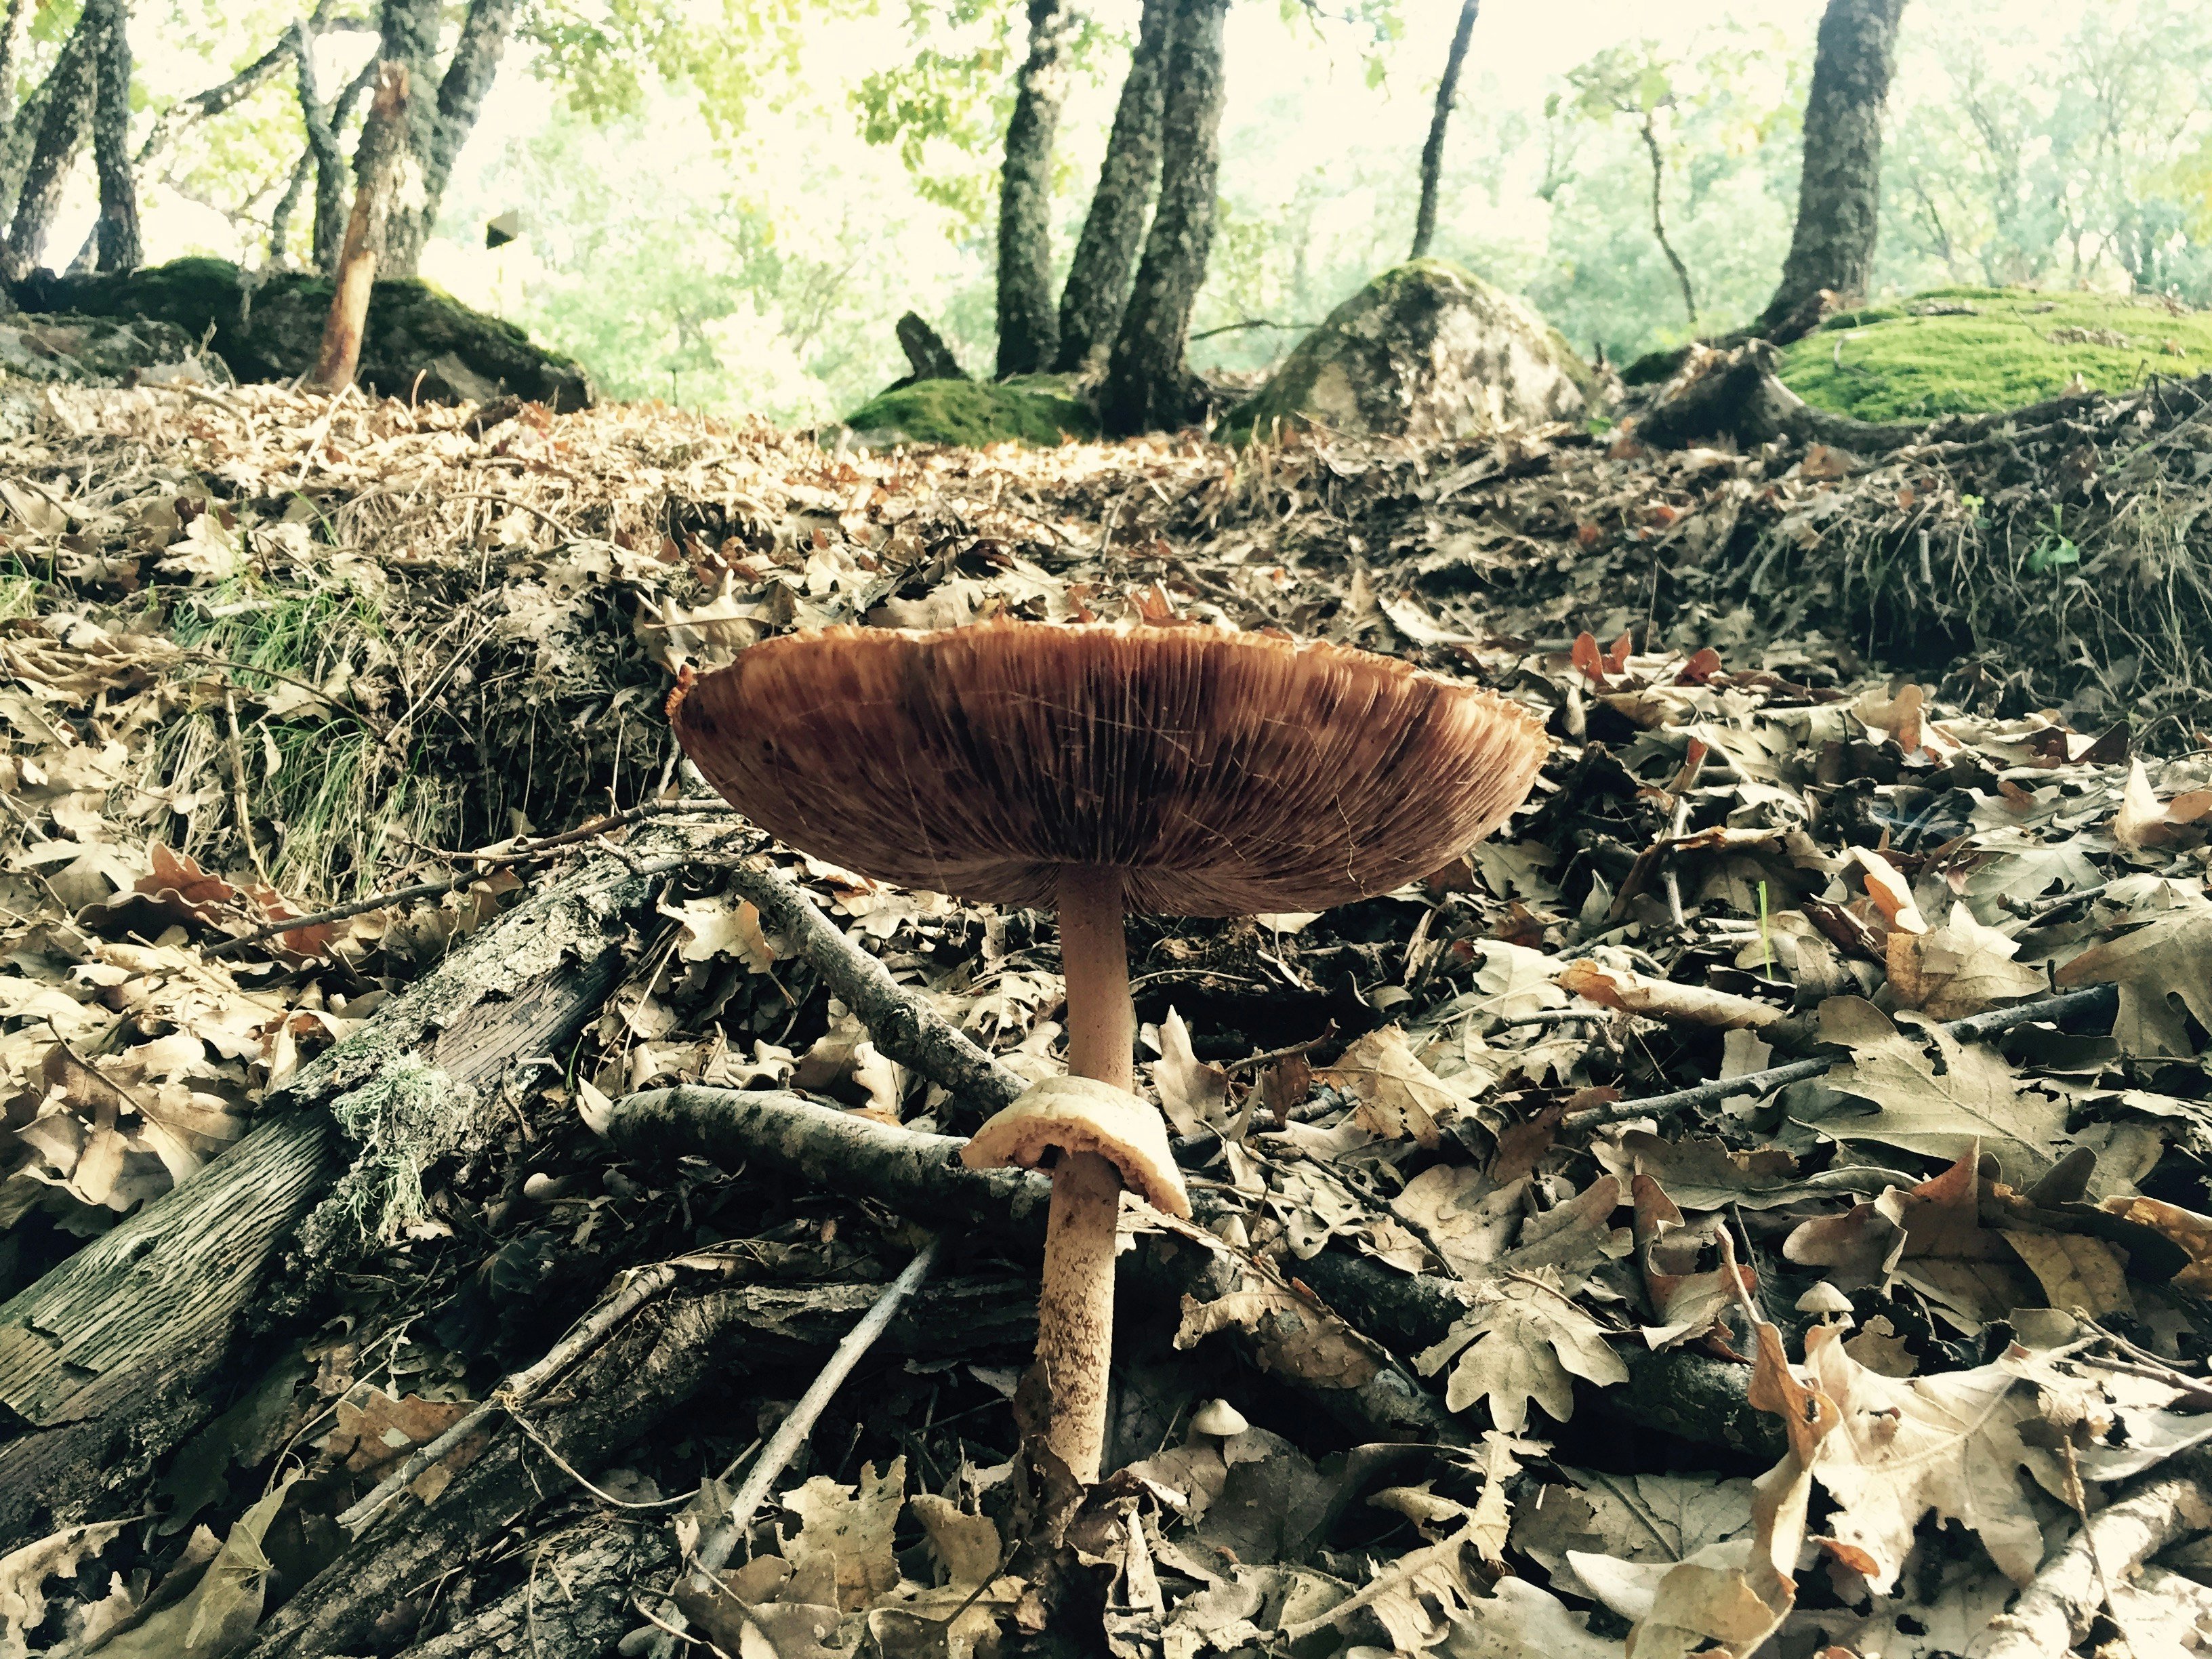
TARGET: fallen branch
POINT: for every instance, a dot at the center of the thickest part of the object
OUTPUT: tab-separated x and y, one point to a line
438	888
921	1176
1677	1391
2093	999
2057	1609
903	1026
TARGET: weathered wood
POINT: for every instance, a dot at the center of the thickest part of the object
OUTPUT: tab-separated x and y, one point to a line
574	1603
111	1359
645	1374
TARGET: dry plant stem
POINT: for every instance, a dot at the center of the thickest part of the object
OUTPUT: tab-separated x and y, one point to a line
2090	999
717	1546
517	1389
902	1026
2057	1610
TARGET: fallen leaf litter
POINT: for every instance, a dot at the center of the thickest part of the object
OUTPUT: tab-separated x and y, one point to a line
269	656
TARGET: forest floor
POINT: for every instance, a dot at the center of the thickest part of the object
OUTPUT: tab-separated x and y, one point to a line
1845	750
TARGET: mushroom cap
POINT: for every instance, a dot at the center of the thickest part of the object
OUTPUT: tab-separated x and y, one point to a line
1225	773
1082	1114
1219	1417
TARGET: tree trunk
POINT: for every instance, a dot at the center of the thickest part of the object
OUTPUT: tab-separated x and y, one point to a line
1113	230
120	247
437	132
1149	385
108	1363
1839	190
1027	326
378	163
11	57
1432	153
65	115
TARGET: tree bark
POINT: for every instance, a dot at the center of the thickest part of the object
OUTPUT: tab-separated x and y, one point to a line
65	115
1432	153
1149	385
379	164
120	246
1029	328
1113	236
11	56
106	1361
437	130
1840	190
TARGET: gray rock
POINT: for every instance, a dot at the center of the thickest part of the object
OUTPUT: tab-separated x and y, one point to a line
1426	349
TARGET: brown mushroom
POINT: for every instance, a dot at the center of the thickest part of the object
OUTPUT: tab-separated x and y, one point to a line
1177	770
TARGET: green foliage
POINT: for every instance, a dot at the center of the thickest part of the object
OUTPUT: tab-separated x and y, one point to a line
1031	409
1886	363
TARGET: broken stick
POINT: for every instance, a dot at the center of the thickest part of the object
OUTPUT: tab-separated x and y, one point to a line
714	1549
2093	998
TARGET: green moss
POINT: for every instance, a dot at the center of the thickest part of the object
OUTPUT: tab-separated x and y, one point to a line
417	341
974	413
1915	359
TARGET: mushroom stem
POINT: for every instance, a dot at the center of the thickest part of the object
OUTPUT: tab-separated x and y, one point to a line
1075	1311
1075	1308
1094	956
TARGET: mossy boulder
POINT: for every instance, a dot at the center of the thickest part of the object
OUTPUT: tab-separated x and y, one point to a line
418	341
1426	349
94	351
1031	409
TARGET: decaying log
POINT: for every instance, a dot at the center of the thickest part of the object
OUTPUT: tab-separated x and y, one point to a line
615	1397
106	1361
921	1176
575	1604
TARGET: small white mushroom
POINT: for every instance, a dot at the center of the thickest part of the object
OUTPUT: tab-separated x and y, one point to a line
1217	1417
1824	1298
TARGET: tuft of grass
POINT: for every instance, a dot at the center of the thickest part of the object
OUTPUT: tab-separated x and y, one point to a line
19	590
1920	358
1033	410
303	635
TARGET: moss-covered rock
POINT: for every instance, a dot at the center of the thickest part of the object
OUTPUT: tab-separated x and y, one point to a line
1979	351
94	350
1033	408
418	341
1426	349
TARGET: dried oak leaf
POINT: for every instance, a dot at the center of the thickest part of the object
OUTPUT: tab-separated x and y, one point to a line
1958	969
1292	1336
2171	958
1398	1096
1949	1445
845	1532
1976	1097
1194	1094
1527	1343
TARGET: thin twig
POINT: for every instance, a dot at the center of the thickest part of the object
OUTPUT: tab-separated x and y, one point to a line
2090	999
517	1389
716	1548
447	885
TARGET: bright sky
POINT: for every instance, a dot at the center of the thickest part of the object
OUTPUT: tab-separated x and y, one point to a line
1518	47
